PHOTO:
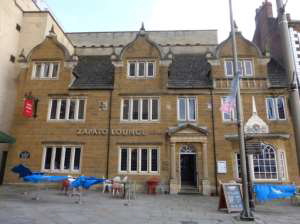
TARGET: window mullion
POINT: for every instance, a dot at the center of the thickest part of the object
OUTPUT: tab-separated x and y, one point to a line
76	109
129	159
62	161
51	65
53	158
58	108
67	109
72	158
150	159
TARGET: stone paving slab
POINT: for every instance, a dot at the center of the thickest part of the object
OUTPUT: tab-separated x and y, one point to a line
97	208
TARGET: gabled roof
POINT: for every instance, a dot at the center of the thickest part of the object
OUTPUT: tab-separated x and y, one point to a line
93	72
189	71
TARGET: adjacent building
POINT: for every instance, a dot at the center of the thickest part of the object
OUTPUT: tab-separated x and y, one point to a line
147	103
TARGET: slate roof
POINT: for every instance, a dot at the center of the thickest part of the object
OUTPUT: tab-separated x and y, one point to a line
189	71
277	74
93	72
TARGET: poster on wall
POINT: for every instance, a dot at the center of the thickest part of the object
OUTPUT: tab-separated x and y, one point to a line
221	166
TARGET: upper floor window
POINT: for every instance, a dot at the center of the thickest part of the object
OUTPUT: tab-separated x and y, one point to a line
228	116
141	69
245	67
61	158
140	109
275	108
187	108
66	109
45	70
139	160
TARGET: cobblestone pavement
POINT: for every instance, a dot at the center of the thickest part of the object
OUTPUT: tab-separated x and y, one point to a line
97	208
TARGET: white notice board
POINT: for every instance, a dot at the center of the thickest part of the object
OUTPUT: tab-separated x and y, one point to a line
221	166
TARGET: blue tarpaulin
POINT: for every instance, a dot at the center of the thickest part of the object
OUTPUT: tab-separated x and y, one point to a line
86	182
265	192
42	178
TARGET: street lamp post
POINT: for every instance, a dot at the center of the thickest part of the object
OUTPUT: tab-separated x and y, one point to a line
246	214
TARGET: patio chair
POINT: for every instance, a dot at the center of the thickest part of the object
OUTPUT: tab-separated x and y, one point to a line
116	186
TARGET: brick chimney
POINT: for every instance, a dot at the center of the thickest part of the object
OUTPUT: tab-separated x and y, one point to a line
264	12
262	30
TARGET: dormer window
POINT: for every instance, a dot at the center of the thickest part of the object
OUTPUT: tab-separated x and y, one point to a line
245	67
141	69
45	70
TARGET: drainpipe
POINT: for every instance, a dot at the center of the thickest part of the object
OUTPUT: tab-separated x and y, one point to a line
214	138
109	134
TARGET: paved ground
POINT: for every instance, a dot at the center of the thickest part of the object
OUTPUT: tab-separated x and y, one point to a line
97	208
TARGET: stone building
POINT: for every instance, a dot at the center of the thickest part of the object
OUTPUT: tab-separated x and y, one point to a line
147	103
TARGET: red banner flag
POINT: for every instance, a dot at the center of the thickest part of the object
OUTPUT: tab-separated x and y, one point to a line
28	108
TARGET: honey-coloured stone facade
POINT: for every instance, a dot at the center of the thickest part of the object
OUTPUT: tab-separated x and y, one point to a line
183	146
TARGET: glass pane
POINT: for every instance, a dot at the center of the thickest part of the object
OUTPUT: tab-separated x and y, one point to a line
182	108
134	160
38	70
72	109
145	113
48	158
81	109
63	107
124	159
248	67
77	159
280	107
67	159
46	70
229	68
57	158
53	109
125	109
55	70
270	109
154	160
192	109
141	68
144	160
131	69
154	109
240	68
150	69
135	109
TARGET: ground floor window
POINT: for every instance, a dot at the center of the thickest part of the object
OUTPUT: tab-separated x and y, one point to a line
270	164
61	158
139	159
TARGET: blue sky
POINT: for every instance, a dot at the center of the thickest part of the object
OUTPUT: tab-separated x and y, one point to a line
127	15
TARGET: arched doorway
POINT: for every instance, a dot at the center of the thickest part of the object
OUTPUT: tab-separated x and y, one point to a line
188	165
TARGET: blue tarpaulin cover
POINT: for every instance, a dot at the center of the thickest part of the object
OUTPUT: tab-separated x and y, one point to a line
265	192
42	178
86	182
35	177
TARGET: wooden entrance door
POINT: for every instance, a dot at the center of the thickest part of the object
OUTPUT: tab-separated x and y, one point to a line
188	169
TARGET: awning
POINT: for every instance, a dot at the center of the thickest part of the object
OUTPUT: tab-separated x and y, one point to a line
5	138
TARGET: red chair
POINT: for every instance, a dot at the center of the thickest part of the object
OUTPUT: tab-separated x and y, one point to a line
152	184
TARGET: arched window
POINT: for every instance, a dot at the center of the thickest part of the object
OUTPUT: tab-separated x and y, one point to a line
187	149
264	164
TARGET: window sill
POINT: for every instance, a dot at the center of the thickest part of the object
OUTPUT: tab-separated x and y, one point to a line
141	78
139	122
61	171
68	121
45	78
140	173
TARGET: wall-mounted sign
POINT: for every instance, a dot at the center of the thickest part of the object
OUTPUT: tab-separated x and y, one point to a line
221	166
104	131
24	155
